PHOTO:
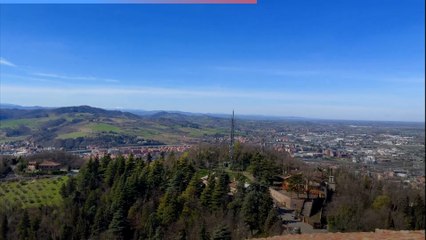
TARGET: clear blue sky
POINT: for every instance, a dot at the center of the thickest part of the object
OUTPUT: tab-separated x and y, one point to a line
324	59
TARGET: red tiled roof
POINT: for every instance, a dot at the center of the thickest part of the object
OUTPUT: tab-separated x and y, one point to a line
49	163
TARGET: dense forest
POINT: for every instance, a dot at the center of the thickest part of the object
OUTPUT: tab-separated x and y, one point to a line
166	198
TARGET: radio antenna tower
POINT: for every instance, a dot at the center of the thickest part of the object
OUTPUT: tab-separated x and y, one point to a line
231	144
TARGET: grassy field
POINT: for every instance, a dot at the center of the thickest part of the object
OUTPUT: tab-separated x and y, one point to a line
4	139
72	135
31	193
89	129
17	122
104	127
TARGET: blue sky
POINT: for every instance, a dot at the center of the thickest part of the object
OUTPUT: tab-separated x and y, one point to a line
323	59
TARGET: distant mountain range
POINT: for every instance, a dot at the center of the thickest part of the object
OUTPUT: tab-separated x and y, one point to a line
14	106
140	112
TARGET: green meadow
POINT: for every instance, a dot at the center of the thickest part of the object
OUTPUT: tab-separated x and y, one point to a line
72	135
31	193
104	127
17	122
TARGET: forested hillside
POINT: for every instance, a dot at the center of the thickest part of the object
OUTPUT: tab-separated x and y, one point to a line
129	198
164	199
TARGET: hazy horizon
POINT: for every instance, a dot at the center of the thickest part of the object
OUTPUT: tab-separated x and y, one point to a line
237	114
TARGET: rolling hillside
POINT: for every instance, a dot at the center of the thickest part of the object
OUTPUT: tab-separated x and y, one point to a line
76	127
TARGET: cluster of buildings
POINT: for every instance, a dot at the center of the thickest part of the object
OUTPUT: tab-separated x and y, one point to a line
136	151
308	201
26	149
395	156
23	148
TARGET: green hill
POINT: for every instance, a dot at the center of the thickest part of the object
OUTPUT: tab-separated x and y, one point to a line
76	127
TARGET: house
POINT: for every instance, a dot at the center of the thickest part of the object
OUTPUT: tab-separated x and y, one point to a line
49	166
32	166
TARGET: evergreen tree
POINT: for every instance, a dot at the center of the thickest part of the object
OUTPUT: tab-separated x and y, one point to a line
222	233
148	158
168	209
66	232
419	213
68	188
90	206
271	219
220	191
118	226
256	207
182	174
24	226
104	162
151	226
296	183
156	175
130	165
117	193
181	235
204	235
89	177
110	173
238	199
193	190
4	228
100	222
35	225
206	195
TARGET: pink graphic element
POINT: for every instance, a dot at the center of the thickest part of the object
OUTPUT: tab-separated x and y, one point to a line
193	1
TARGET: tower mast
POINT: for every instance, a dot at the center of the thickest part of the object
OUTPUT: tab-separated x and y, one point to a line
231	144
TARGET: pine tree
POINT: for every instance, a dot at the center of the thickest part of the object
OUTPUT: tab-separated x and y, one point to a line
66	232
24	226
110	173
271	219
118	226
222	233
250	211
151	225
220	191
238	199
156	175
181	235
296	183
168	209
105	160
419	213
256	207
100	223
149	158
206	195
204	235
4	228
193	190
